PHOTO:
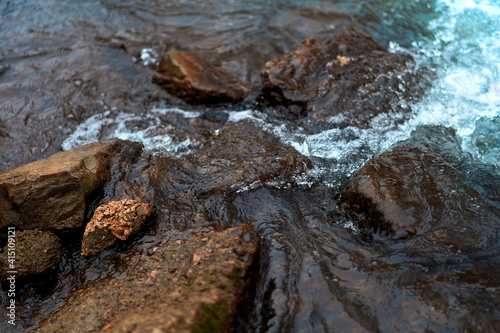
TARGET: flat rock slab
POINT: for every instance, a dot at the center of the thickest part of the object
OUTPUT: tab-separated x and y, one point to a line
36	253
114	221
193	282
409	191
353	76
197	81
51	194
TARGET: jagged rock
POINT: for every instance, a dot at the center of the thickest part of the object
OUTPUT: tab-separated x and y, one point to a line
36	253
352	76
409	191
194	282
52	193
116	220
197	81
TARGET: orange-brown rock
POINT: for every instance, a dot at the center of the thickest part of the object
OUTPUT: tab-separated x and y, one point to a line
197	81
52	193
114	221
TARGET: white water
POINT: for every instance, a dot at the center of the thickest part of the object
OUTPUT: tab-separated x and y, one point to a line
464	53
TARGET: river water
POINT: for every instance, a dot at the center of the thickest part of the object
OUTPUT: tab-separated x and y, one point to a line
66	81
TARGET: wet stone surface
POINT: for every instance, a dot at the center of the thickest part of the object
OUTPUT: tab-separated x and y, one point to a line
52	194
114	221
251	234
37	253
353	77
191	281
197	81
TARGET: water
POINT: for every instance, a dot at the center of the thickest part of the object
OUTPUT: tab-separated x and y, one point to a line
67	83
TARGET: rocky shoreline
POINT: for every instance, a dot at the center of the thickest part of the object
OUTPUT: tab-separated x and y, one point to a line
193	227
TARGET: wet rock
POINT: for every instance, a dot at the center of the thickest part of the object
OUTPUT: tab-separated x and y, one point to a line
197	81
487	140
194	282
52	193
243	154
36	253
410	191
116	220
439	140
352	76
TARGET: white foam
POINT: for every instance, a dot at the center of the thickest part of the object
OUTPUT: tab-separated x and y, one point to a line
150	130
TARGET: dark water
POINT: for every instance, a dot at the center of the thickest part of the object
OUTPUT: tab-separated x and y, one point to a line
65	80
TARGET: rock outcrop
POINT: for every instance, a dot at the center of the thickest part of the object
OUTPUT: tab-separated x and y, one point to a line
114	221
36	253
51	194
353	76
192	283
409	191
197	81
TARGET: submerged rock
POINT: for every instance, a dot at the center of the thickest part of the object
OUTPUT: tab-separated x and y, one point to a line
51	194
116	220
243	154
193	282
197	81
36	253
353	76
410	191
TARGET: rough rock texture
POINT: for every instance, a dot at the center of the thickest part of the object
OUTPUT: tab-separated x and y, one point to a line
352	76
37	253
116	220
243	154
191	283
410	191
52	193
197	81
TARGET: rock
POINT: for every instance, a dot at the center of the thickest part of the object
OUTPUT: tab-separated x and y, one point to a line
51	194
353	76
409	191
193	282
487	140
439	140
116	220
242	154
36	253
197	81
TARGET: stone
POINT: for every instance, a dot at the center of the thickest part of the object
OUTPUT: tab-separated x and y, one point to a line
193	282
242	154
409	191
197	81
51	194
353	76
37	253
114	221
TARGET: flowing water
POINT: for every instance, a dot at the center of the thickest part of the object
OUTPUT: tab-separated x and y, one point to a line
66	81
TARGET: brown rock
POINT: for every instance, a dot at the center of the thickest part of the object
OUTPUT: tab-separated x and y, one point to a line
410	191
52	193
353	76
36	253
242	154
193	282
116	220
197	81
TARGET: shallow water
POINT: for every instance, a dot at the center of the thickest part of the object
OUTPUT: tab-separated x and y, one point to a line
66	81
